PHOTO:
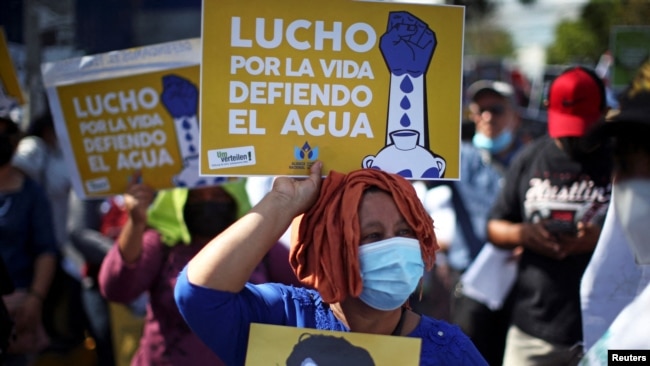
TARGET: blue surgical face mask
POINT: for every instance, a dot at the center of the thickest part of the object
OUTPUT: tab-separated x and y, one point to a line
391	270
495	145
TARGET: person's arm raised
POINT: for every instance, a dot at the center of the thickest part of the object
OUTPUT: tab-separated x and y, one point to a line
228	260
137	199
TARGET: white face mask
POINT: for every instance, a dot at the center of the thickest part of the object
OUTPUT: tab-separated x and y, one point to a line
632	205
391	270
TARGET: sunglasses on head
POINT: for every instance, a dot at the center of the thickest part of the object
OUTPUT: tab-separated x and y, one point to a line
495	110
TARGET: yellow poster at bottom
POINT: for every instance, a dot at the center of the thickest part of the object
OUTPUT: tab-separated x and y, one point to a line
281	345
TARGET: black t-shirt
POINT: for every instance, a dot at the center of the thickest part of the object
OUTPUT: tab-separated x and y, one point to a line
545	183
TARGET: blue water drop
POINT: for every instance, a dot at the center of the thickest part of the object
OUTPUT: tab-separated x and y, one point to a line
405	121
405	103
406	86
406	173
431	173
313	154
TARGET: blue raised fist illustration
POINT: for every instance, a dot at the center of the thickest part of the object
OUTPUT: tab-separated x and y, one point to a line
179	96
407	45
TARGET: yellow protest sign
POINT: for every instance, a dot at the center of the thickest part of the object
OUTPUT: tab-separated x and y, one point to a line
9	85
126	111
354	84
281	345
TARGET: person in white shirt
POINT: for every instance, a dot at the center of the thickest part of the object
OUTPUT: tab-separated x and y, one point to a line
615	289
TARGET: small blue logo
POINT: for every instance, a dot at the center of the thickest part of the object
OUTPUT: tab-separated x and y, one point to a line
308	152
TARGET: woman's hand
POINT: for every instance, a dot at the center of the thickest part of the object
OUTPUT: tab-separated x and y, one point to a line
300	194
137	199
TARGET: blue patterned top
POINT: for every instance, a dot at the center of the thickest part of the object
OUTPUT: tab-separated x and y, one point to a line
222	320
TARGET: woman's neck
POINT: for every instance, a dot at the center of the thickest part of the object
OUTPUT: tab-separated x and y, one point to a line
361	318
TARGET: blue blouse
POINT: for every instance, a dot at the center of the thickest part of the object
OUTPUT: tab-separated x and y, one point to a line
222	320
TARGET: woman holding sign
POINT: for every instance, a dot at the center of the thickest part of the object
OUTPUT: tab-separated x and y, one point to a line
163	231
363	243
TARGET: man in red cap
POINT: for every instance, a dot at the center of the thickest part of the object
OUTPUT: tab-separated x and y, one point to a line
552	205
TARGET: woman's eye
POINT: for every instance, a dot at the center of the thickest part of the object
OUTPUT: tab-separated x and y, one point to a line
408	233
368	238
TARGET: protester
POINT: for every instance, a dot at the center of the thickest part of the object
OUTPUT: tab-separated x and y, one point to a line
483	164
156	242
28	248
360	228
152	247
615	288
40	157
552	204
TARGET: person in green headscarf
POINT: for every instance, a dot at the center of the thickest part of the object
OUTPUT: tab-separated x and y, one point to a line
163	232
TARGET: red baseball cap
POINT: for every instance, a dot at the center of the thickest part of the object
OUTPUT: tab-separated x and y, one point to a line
575	103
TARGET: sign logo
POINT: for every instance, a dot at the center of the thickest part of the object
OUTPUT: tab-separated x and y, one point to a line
305	152
304	156
232	157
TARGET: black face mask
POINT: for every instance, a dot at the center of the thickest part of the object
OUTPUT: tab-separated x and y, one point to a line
208	218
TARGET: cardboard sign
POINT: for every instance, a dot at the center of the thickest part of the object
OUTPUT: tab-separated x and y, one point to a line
281	345
630	47
353	84
10	91
126	111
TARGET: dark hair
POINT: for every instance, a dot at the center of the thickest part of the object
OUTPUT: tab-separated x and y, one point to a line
326	350
629	141
374	189
11	127
9	137
38	125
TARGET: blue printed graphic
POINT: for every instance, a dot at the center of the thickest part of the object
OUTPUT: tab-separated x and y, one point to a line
407	47
306	151
179	96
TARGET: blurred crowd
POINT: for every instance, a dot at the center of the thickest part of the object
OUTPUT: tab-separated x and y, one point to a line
532	240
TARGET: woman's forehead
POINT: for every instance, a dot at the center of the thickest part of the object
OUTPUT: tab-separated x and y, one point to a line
376	205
